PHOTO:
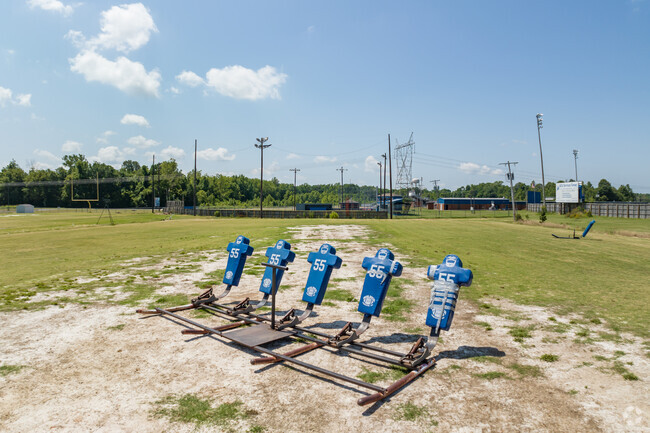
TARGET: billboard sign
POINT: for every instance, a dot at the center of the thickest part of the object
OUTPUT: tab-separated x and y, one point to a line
568	192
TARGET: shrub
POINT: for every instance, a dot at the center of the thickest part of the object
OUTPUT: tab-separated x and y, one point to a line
334	215
542	214
518	217
217	213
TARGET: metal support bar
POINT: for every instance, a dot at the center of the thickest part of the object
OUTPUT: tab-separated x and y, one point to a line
278	355
396	385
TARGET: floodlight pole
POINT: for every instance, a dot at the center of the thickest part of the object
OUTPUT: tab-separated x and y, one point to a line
261	147
194	199
575	160
539	136
341	170
295	171
510	176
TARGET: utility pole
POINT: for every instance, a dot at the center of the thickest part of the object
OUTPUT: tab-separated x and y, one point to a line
153	184
261	147
510	175
341	170
295	171
539	136
435	189
384	189
390	173
575	160
379	189
194	200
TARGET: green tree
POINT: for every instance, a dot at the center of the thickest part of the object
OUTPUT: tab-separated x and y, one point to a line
606	192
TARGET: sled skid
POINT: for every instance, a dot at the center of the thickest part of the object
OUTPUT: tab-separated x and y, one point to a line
207	297
372	398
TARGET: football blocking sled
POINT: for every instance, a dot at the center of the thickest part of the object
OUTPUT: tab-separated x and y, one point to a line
238	252
448	278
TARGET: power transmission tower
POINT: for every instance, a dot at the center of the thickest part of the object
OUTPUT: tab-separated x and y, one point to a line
404	160
261	146
295	171
575	160
510	176
341	170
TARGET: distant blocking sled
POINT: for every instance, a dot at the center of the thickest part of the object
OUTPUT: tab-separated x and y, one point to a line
447	278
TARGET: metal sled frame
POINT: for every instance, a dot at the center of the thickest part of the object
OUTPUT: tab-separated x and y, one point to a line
261	333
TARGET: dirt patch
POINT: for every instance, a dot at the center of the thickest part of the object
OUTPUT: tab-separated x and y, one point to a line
102	367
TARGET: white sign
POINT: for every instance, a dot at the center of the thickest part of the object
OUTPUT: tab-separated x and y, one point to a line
567	192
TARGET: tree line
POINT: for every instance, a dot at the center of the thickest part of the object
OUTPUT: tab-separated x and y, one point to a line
132	184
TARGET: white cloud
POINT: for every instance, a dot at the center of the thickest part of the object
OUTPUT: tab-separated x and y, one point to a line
219	154
134	119
174	90
71	147
124	28
321	159
46	154
189	78
128	76
104	138
24	100
51	5
172	152
473	168
5	96
239	82
110	154
142	142
269	170
293	156
371	164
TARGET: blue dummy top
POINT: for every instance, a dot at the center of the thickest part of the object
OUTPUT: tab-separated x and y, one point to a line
279	254
380	270
238	253
451	270
323	261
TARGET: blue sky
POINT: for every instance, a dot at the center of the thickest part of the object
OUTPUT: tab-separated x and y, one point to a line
327	81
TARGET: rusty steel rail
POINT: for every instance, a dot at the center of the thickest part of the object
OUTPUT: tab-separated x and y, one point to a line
320	334
317	369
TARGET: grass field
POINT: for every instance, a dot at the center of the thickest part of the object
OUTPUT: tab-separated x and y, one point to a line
603	277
